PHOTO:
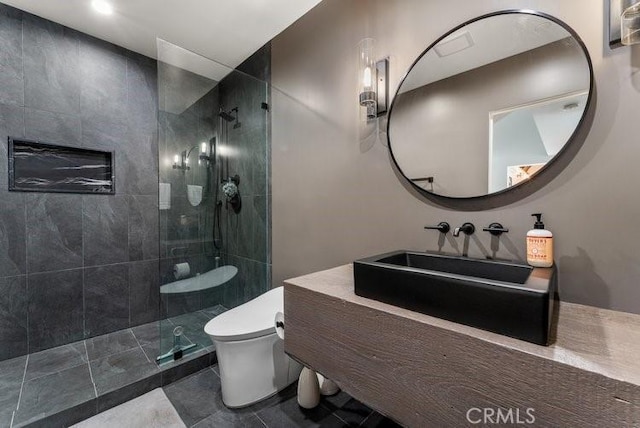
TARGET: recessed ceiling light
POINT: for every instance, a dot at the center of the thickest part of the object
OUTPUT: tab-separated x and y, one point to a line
102	6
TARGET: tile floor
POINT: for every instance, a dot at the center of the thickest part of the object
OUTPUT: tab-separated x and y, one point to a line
198	400
92	375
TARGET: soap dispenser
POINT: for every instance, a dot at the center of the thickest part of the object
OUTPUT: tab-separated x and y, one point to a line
539	244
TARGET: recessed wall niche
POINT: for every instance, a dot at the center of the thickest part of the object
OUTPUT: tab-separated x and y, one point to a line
42	167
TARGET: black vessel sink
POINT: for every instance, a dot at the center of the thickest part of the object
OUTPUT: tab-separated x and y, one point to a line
507	298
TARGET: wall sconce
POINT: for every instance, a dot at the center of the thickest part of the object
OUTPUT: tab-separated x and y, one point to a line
207	152
373	85
624	22
181	161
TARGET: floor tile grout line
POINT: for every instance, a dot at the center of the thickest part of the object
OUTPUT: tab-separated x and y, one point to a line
24	376
339	418
93	382
260	419
367	418
139	345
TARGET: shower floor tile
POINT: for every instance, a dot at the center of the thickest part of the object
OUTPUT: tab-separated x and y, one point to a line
69	383
118	370
56	360
47	395
112	343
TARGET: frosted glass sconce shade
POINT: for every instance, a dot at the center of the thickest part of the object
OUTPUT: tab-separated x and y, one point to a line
372	80
630	22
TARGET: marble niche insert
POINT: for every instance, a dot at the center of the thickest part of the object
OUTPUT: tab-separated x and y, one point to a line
42	167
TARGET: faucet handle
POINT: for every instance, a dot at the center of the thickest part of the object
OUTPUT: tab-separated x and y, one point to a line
443	227
467	228
495	229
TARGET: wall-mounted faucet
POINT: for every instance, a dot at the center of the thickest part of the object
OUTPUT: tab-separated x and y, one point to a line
466	228
496	229
443	227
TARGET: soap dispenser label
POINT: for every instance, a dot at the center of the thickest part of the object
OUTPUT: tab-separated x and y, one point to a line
539	249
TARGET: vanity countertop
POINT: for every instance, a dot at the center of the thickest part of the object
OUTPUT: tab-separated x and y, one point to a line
590	369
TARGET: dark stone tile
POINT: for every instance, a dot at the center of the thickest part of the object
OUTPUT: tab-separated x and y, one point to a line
141	162
60	323
193	324
128	392
103	76
254	279
144	292
223	419
13	255
13	321
143	228
352	412
66	417
118	370
260	231
11	75
289	414
54	393
149	333
11	125
214	311
196	397
106	299
109	344
142	85
53	128
180	303
6	415
105	230
51	66
54	232
188	365
55	360
336	401
11	374
376	420
101	134
246	220
165	344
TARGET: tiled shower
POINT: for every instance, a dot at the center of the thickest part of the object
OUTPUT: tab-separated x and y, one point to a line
82	318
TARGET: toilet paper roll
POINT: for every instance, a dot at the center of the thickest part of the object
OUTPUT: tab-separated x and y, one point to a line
279	322
181	270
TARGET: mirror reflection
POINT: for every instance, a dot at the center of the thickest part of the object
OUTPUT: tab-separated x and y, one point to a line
489	105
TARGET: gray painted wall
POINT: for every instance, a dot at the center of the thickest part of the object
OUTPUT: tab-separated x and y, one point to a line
335	199
74	266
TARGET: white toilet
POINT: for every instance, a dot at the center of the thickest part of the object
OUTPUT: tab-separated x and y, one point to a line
251	358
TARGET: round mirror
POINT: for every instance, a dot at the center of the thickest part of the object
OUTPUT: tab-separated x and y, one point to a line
490	104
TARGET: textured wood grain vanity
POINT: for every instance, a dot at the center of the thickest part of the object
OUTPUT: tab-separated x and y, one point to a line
427	372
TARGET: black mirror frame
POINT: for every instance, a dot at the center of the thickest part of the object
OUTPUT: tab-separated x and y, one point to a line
540	178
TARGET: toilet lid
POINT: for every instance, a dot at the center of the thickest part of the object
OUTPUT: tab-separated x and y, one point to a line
253	319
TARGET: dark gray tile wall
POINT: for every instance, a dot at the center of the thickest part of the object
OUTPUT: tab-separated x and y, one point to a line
76	266
247	235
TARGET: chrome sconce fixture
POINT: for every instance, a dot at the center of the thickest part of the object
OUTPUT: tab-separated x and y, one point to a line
207	152
181	161
624	23
373	86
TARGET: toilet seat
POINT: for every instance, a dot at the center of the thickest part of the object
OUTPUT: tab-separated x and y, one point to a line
249	320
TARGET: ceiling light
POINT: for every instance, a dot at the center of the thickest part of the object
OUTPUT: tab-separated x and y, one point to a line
103	7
